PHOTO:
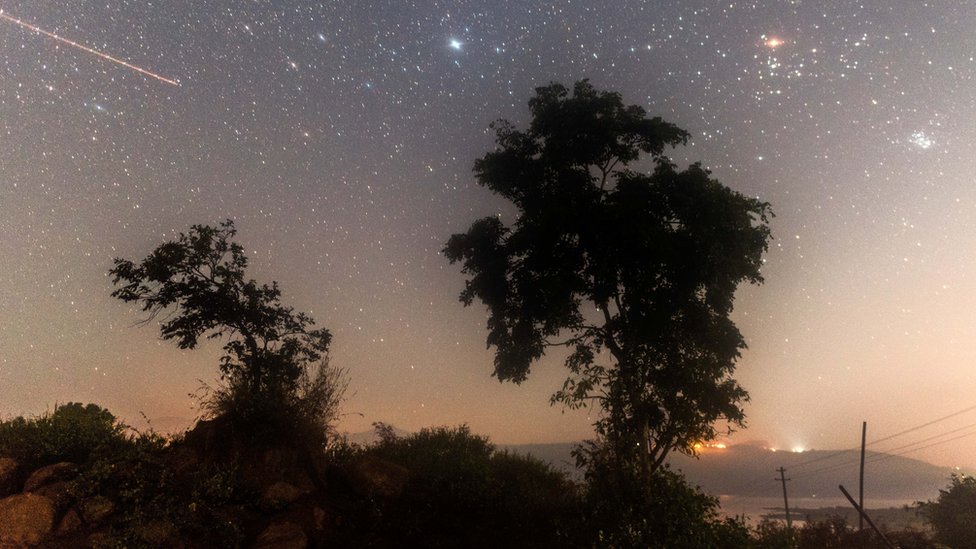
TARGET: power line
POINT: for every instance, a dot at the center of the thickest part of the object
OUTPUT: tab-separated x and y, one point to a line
883	439
934	421
940	435
881	456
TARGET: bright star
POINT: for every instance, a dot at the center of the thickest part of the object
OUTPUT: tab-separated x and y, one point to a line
455	44
920	140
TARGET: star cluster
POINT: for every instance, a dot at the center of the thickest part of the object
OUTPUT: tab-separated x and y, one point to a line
340	137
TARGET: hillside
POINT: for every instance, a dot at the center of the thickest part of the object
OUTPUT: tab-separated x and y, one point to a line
745	470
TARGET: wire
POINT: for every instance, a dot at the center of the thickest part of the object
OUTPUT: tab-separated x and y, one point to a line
883	439
934	421
893	452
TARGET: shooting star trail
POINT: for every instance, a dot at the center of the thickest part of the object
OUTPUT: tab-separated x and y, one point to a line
87	49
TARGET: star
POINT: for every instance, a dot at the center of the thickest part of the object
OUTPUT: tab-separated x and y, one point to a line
455	44
921	140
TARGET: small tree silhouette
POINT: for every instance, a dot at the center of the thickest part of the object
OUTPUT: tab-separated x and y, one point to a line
199	279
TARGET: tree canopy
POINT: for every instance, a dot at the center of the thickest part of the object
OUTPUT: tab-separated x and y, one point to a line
635	272
953	514
199	278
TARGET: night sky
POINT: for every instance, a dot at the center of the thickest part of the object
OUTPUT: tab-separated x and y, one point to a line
340	137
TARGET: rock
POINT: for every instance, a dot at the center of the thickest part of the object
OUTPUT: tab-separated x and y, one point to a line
319	515
376	476
70	522
282	535
58	493
8	477
281	494
262	467
26	519
50	474
259	461
96	509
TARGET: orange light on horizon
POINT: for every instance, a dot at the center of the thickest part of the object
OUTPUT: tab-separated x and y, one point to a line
709	446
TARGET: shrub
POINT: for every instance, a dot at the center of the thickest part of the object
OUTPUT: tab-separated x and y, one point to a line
307	413
155	504
463	493
953	514
832	532
73	432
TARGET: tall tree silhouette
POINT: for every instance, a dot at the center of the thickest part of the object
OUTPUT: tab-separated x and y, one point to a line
634	272
199	278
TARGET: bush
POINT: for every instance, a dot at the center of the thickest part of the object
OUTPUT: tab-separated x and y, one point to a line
832	532
953	514
155	504
307	413
461	492
73	432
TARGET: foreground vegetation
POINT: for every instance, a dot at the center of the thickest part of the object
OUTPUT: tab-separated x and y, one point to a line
105	485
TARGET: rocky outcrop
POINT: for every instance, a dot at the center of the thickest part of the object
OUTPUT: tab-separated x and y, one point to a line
232	488
281	494
25	519
58	472
52	482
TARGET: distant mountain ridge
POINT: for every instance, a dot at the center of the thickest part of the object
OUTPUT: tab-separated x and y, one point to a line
746	470
751	470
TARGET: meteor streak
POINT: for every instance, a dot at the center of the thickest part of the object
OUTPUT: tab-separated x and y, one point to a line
87	49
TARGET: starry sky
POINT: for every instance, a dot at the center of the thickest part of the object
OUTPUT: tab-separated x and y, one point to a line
340	137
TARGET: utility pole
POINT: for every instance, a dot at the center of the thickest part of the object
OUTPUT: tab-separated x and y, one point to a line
786	504
860	511
860	516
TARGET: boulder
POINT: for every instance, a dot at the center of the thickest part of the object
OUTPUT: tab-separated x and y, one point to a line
282	535
281	494
319	515
375	476
96	509
49	475
70	522
259	462
262	467
26	520
58	493
9	476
